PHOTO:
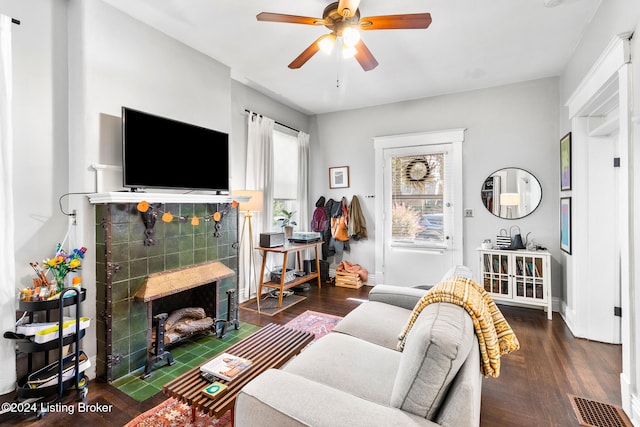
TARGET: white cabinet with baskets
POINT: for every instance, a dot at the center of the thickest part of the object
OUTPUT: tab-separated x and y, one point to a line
522	277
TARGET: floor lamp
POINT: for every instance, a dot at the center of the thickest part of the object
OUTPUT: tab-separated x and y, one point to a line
510	200
253	205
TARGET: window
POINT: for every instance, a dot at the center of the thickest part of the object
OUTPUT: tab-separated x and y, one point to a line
285	175
417	199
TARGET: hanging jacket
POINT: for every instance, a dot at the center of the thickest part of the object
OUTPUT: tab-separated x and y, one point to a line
357	225
340	221
327	249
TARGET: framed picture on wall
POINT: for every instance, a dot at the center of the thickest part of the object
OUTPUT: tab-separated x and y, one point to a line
565	162
565	224
339	177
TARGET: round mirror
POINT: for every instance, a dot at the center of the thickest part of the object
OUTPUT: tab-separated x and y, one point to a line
511	193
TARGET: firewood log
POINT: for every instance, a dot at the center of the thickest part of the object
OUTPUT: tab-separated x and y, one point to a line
188	312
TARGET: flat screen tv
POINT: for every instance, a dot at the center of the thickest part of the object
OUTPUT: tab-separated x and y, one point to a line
158	152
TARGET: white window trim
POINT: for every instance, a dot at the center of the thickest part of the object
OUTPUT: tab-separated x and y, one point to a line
455	137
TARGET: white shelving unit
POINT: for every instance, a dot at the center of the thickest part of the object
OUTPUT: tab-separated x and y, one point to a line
520	277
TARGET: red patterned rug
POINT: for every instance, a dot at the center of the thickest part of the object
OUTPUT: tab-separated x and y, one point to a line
312	321
172	413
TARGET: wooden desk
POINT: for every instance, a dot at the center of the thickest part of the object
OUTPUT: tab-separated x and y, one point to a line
270	347
282	285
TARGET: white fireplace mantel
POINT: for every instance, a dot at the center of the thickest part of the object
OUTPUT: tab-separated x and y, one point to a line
152	197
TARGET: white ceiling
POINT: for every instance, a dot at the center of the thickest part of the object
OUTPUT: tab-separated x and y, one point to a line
470	44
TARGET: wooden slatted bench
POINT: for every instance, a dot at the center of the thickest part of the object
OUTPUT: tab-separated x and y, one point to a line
270	347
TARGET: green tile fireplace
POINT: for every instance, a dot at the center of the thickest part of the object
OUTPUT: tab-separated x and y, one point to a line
131	245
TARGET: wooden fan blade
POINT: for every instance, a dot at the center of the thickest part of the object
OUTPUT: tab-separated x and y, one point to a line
347	8
365	57
291	19
307	54
396	22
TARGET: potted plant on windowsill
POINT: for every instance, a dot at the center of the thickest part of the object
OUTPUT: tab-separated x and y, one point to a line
286	222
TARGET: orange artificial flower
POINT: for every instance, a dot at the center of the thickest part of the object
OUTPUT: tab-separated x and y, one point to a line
143	206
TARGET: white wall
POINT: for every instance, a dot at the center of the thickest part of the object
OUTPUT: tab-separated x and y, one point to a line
514	125
40	133
40	161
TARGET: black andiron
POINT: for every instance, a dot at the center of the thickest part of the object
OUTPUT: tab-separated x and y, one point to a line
159	352
232	315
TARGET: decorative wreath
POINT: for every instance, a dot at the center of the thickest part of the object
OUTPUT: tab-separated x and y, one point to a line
417	171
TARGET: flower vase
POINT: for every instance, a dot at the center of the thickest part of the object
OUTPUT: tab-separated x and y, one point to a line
60	283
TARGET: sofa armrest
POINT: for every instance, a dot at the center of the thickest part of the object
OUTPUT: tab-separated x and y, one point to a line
399	296
280	398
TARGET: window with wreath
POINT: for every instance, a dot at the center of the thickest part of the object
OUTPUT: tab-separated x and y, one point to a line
417	196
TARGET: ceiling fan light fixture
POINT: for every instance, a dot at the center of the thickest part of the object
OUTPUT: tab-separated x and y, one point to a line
348	51
350	36
326	43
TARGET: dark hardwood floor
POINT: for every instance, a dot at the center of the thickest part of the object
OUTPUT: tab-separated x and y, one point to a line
532	389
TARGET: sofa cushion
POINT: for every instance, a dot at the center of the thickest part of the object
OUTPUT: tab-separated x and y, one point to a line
349	364
280	398
495	336
375	322
435	348
399	296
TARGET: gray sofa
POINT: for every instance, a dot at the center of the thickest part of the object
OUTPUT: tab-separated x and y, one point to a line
354	376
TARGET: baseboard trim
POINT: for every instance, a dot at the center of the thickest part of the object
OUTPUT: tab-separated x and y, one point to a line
634	414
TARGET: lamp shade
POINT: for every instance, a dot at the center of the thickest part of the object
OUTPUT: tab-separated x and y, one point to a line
509	199
255	202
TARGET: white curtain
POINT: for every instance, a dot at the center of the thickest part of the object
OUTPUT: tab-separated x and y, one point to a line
7	258
303	180
259	176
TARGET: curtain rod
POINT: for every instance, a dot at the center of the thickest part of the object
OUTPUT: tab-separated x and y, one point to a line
15	21
276	122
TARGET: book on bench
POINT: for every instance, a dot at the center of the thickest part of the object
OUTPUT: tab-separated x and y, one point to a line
214	390
226	366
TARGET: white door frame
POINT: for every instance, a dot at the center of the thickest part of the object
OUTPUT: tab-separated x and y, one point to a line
381	143
607	85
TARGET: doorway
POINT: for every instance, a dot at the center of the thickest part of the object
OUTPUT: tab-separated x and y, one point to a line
599	286
419	196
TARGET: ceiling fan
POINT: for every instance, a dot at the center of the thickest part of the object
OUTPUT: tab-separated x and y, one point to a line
342	18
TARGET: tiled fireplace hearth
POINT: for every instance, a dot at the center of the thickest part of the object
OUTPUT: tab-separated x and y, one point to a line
124	264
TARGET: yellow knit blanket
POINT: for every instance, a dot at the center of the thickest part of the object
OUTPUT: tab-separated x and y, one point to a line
494	333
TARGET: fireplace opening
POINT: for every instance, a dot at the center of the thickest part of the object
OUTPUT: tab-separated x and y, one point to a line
188	312
169	328
181	303
177	317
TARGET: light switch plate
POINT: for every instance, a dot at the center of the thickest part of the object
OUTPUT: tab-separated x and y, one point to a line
468	213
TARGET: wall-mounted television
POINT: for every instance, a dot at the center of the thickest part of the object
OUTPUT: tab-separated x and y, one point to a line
158	152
